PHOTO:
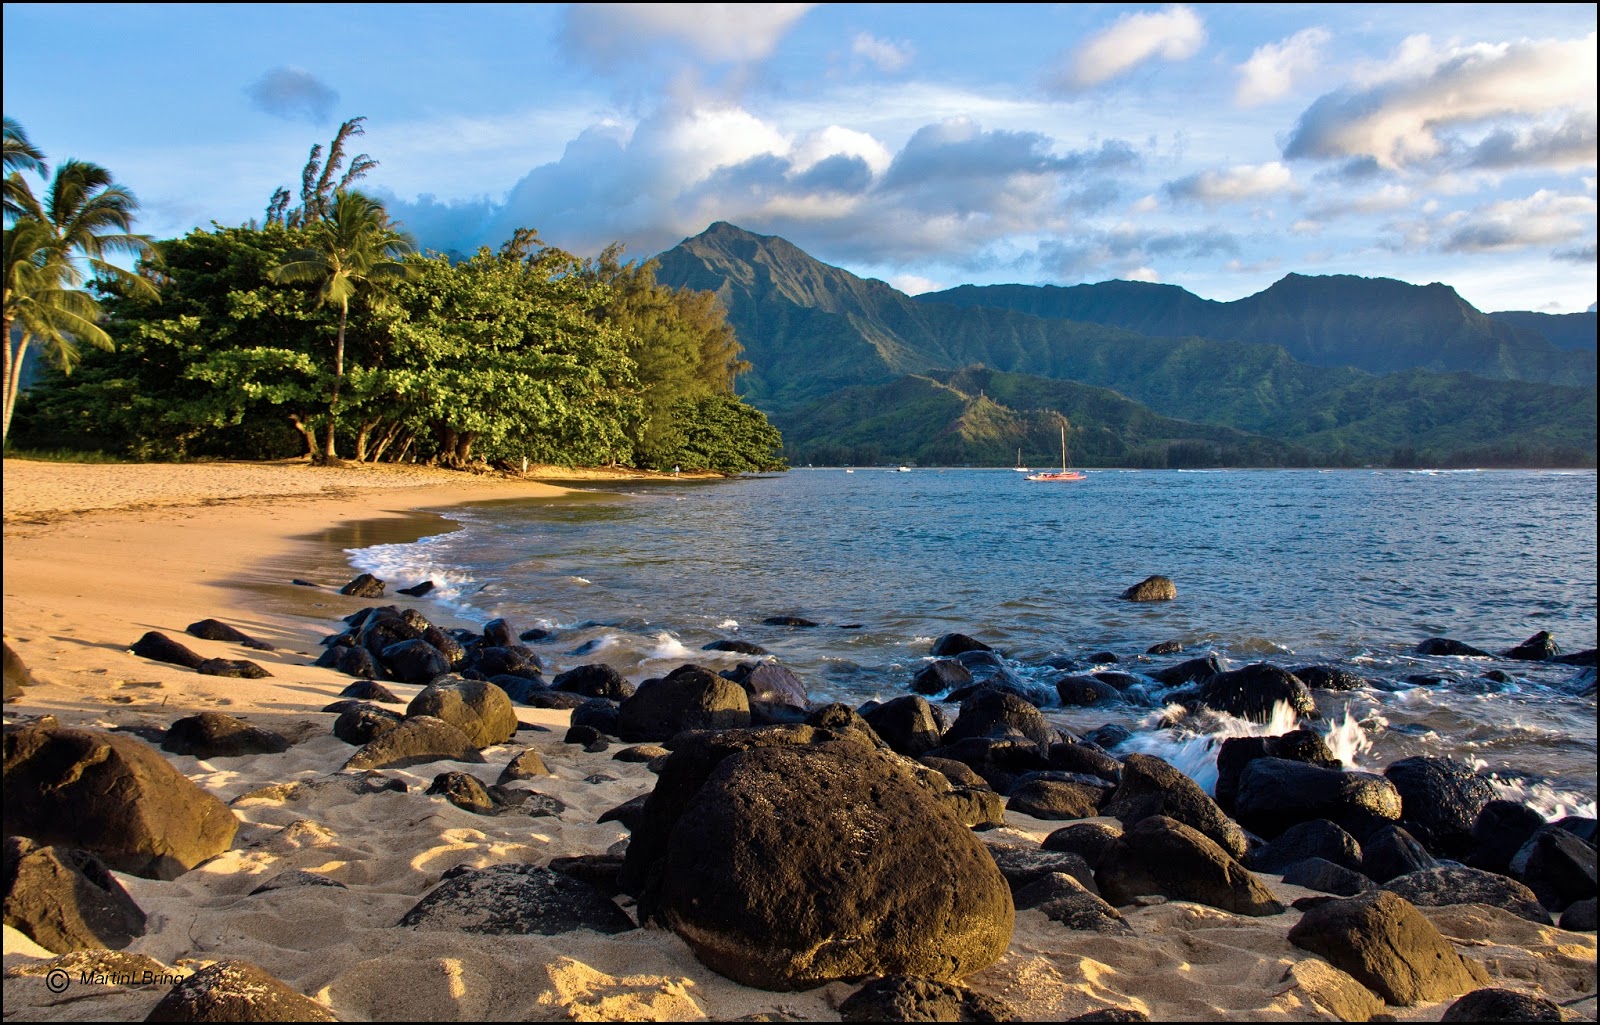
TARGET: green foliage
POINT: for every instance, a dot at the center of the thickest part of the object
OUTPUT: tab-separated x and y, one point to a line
722	434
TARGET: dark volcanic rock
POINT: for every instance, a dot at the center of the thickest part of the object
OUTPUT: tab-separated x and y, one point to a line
65	899
1446	646
1541	647
997	712
236	991
629	812
364	586
1502	827
418	740
1579	917
738	647
235	668
497	633
370	690
1202	668
215	735
1390	948
1048	799
527	765
1237	752
1440	801
1318	838
1155	588
1087	759
350	661
1453	884
215	630
951	644
114	796
1275	793
906	724
1502	1005
1085	689
975	807
798	622
1253	691
1165	648
689	698
414	661
1329	678
158	647
1000	761
1555	865
475	707
417	590
1089	840
1151	787
1163	856
365	723
294	878
1322	874
938	677
1391	852
465	792
906	998
1022	865
792	866
596	680
515	900
513	660
771	684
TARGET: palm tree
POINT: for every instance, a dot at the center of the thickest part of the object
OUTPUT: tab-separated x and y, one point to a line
354	248
21	155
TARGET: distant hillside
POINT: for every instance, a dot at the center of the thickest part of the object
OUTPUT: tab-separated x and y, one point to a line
812	331
1571	331
1375	324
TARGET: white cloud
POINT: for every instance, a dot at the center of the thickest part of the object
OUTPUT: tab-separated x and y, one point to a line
1173	34
1271	70
1524	103
885	55
914	284
1144	274
611	35
1544	218
1240	182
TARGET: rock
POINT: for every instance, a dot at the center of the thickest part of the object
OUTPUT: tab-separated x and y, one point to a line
1108	737
1000	761
1237	752
1322	874
798	622
689	698
215	630
1329	678
996	712
236	991
1554	864
1156	588
507	660
738	647
16	675
1502	1005
417	590
216	735
414	661
941	676
114	796
598	870
1580	826
1446	646
1440	802
1164	856
629	812
350	661
906	724
771	684
1104	658
1150	787
364	586
1022	865
536	698
1318	838
1390	948
418	740
792	866
1165	648
975	807
1579	917
465	792
1541	647
907	998
1189	670
951	644
595	680
958	773
1047	799
235	668
1089	840
1111	1014
65	899
1276	793
296	878
515	900
1454	884
158	647
477	708
529	802
589	738
1084	690
1392	852
1063	898
370	690
1254	691
1087	759
1502	827
527	765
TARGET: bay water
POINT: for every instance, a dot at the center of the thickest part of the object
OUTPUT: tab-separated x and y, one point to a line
1348	568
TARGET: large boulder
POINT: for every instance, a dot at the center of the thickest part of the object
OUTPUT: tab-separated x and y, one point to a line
236	991
475	707
1502	1005
938	677
1189	670
1541	647
65	899
796	865
994	712
1151	787
904	998
417	741
1156	588
1440	802
1318	838
1055	799
1163	856
114	796
515	900
907	724
1449	646
1237	752
1554	864
1254	691
1391	852
349	660
217	735
414	661
1454	884
364	586
1502	827
1276	793
16	676
158	647
951	644
216	630
596	680
689	698
771	684
1000	761
1390	948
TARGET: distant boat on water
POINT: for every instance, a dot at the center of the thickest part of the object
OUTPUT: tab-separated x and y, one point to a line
1066	473
1019	467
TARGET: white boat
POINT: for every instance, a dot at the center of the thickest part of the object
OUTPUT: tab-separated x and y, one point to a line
1066	474
904	469
1019	467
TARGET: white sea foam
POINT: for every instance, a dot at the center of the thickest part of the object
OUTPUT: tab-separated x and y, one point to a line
728	624
668	647
402	565
1193	751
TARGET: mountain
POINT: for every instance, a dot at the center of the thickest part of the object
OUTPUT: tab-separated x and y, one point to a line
1573	331
1375	324
812	331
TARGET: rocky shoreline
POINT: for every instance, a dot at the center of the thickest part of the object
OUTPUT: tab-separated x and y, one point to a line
945	855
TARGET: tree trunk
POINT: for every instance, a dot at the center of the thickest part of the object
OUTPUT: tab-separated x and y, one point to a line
328	454
13	380
384	442
307	433
361	440
464	448
446	437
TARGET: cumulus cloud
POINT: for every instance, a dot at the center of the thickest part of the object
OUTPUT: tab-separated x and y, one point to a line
609	36
1529	103
1126	251
1172	34
293	94
886	56
1271	70
1237	183
1544	218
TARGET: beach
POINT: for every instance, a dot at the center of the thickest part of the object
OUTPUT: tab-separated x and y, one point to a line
98	555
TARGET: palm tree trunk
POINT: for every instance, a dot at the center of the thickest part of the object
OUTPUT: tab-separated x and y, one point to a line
328	453
13	380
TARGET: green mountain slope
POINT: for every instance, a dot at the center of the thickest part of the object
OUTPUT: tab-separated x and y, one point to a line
1573	331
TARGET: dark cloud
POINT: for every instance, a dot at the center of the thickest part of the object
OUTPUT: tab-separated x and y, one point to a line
293	94
1571	143
1124	252
1580	254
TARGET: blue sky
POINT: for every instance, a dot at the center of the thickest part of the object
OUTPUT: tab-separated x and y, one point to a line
1217	147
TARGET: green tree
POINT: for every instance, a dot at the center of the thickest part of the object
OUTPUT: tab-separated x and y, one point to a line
354	249
21	155
722	434
318	187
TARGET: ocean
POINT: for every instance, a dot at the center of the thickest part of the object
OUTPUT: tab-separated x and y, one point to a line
1349	568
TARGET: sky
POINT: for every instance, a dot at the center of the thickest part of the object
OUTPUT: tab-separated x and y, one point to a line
1213	146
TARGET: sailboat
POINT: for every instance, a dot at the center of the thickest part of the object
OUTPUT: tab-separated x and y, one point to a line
1065	474
1019	467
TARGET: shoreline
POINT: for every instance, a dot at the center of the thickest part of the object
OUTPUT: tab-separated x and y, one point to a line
97	561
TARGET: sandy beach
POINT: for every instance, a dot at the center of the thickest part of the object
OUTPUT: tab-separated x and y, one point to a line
97	555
